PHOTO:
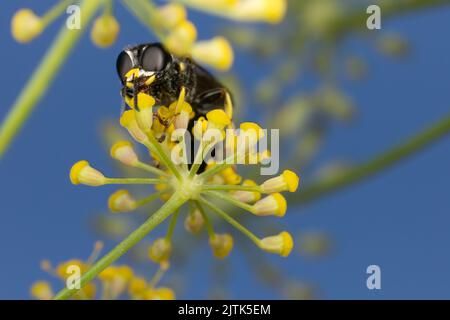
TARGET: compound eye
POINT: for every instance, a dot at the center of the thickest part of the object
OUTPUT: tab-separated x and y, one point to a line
123	65
155	58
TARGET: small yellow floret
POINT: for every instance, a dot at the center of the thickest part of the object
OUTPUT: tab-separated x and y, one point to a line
292	180
160	293
143	100
171	15
281	244
41	290
82	173
104	31
181	38
121	201
274	204
124	152
252	127
221	245
160	250
216	52
219	118
26	25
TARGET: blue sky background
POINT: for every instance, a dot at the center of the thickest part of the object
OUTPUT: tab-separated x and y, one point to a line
398	220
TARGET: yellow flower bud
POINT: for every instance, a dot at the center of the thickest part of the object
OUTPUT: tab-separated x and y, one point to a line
230	176
247	196
160	250
287	181
171	15
199	127
183	116
181	38
143	100
128	121
216	52
249	135
144	118
274	204
82	173
194	222
124	152
63	268
121	201
41	290
104	31
117	278
271	11
26	25
253	128
217	119
137	287
161	293
281	244
87	292
221	245
125	272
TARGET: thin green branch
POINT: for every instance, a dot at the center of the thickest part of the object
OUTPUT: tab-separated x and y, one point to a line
231	221
133	181
175	202
43	76
208	224
375	165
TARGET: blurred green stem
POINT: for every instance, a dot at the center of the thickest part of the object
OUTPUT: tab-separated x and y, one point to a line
43	76
376	164
171	206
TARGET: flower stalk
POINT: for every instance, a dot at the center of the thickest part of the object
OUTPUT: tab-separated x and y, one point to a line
43	76
171	206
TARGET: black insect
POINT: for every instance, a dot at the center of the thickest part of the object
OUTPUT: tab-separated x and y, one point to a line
163	75
149	68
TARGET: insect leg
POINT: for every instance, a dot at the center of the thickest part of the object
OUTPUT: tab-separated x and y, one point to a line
135	93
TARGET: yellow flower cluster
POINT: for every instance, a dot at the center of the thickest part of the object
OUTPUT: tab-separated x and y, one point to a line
201	182
114	282
169	22
180	37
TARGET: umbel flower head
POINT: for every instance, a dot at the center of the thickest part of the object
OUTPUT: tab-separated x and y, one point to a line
202	179
114	282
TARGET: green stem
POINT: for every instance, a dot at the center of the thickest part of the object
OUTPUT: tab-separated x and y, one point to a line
43	76
151	169
132	181
172	224
208	224
148	199
176	201
230	199
157	277
156	147
56	11
376	164
231	221
199	156
221	166
227	187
